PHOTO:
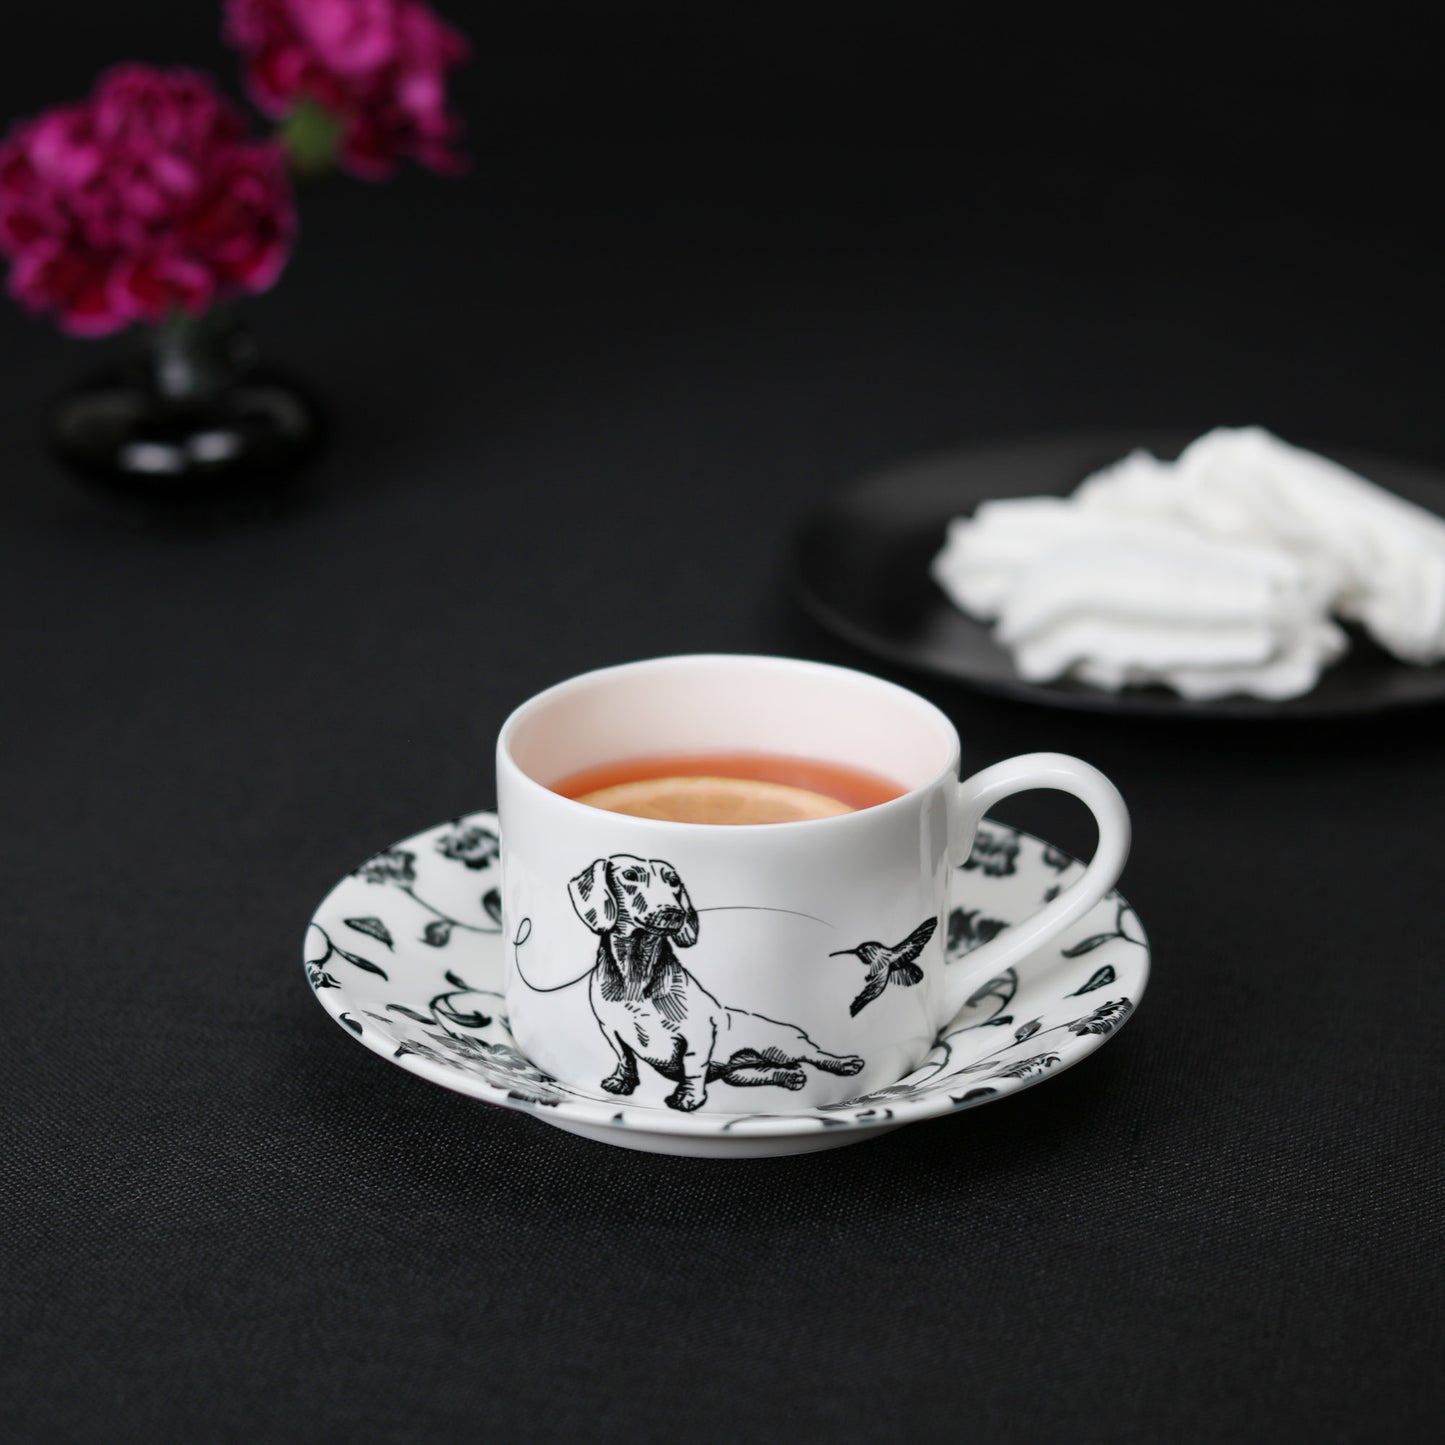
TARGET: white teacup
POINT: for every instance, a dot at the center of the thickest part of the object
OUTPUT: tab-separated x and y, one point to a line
702	966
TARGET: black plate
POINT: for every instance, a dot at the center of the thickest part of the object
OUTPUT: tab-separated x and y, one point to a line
860	567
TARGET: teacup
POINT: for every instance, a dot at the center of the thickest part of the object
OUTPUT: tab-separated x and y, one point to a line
760	967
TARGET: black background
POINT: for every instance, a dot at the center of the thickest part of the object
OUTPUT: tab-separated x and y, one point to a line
709	263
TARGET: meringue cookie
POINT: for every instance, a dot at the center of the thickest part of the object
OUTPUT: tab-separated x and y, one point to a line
1214	574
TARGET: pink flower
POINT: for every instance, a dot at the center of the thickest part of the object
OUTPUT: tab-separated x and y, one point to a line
144	198
379	67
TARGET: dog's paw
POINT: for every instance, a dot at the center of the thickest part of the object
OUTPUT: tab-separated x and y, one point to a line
620	1083
791	1079
686	1099
844	1064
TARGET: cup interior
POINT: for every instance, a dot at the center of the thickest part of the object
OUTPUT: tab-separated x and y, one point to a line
730	704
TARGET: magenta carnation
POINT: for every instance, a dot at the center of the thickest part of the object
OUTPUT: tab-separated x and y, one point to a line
143	199
379	67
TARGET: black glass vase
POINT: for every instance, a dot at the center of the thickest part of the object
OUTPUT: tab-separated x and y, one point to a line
194	422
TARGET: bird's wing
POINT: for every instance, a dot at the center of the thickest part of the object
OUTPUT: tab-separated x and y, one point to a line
912	946
877	982
906	973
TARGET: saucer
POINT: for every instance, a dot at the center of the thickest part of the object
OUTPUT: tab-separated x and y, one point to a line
408	956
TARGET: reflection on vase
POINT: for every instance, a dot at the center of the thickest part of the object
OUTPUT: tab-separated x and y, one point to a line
193	420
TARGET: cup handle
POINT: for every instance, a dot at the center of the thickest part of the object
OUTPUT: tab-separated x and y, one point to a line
975	796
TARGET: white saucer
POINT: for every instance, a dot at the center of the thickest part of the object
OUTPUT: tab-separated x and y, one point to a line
407	955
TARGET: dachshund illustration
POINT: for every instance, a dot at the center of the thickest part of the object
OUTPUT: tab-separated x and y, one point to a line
650	1007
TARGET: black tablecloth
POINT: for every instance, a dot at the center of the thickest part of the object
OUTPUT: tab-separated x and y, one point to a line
222	1219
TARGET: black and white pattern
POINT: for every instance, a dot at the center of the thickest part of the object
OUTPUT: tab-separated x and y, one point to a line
407	954
995	850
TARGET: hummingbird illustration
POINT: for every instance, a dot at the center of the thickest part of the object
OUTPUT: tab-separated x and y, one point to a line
889	965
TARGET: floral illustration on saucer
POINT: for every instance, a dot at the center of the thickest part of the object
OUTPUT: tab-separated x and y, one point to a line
473	846
994	850
468	843
434	1002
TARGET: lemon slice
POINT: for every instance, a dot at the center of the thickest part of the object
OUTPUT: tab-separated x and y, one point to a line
714	800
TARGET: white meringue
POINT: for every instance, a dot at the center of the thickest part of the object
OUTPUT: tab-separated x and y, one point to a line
1214	574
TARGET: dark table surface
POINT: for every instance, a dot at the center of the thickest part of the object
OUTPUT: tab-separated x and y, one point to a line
221	1219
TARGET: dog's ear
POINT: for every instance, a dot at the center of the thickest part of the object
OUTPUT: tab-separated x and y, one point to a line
592	897
685	934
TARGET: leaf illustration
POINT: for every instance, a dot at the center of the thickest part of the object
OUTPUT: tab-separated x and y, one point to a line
456	982
1056	858
994	1023
1097	979
409	1013
437	932
1077	950
971	1095
359	962
474	1020
1028	1030
373	926
1051	893
350	1023
492	902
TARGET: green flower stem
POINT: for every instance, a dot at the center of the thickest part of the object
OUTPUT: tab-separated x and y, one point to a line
311	136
